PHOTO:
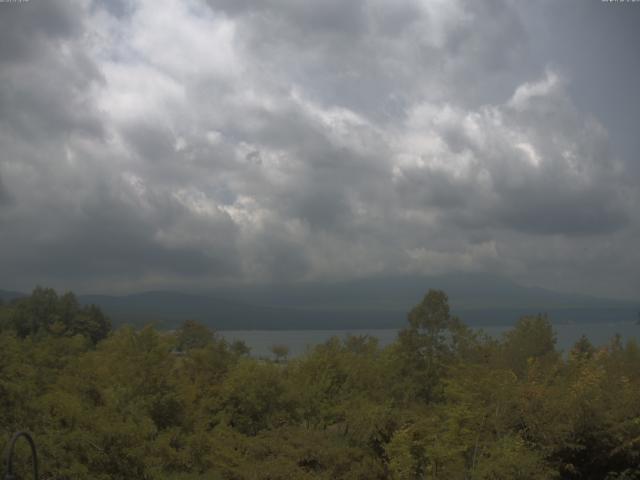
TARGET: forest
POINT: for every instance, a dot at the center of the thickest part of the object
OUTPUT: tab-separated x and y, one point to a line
442	402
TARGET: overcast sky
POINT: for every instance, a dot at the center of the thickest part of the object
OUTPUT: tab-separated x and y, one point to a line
186	144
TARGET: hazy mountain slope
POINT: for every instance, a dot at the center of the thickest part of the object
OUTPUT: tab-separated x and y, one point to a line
372	303
7	295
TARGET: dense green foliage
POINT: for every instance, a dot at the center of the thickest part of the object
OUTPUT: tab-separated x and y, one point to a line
442	402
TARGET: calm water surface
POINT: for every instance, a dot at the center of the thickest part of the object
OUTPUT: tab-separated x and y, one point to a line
298	341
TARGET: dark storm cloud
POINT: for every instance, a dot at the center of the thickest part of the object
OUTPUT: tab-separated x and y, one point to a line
593	45
267	141
4	193
534	164
45	75
121	237
70	218
28	29
377	57
42	103
118	8
570	213
330	16
151	142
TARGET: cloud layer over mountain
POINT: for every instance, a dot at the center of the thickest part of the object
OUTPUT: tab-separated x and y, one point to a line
161	144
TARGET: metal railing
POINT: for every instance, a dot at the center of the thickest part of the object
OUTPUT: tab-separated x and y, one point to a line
9	452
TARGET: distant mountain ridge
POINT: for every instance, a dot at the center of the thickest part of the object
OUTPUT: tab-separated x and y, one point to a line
479	299
8	295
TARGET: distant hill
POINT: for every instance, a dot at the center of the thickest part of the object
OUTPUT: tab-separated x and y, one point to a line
7	295
169	309
478	299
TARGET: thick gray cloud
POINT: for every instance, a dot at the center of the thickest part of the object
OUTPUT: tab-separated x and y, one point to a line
534	164
29	31
4	195
190	144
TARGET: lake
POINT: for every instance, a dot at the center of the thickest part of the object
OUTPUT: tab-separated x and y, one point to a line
298	341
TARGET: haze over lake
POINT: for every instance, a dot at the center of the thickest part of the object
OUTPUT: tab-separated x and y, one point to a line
299	341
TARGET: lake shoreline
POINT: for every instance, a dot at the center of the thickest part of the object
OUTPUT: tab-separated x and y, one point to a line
300	340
